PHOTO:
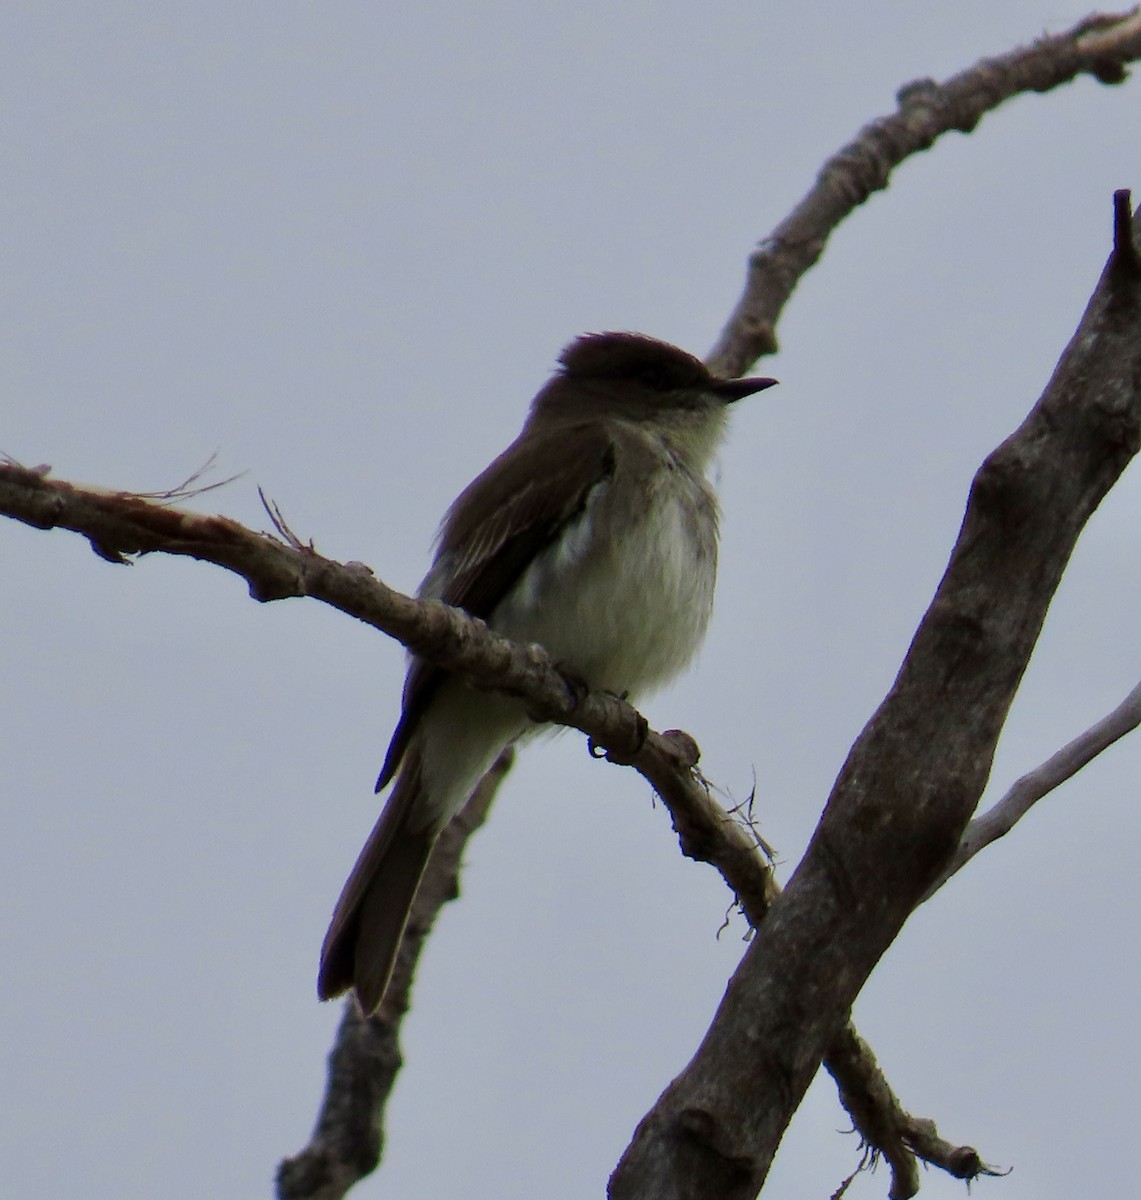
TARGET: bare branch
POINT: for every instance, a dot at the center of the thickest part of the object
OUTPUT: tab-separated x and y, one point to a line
123	524
1100	46
365	1059
1031	787
120	525
886	1128
913	777
1028	790
709	834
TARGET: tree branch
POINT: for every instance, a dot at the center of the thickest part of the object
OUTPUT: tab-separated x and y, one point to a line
1100	46
120	525
913	777
348	1137
886	1128
998	821
118	528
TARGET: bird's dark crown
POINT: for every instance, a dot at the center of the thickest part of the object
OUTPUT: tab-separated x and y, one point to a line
632	356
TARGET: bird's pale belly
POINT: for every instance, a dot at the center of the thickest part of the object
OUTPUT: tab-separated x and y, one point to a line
624	610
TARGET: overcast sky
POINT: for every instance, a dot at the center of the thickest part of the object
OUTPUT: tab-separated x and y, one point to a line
342	244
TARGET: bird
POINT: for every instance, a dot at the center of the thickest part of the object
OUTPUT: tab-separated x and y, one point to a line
593	534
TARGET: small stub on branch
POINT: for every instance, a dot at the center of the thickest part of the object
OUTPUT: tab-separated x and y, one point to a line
684	745
1125	257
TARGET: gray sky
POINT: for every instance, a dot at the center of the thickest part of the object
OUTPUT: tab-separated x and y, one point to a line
342	245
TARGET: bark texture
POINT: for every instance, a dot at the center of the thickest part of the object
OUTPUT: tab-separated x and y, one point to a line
915	774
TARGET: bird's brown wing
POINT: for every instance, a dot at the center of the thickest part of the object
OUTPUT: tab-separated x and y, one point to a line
494	530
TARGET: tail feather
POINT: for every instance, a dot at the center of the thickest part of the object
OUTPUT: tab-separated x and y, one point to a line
368	923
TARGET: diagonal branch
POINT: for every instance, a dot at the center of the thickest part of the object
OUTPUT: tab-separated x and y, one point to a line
999	820
348	1138
1099	46
120	525
915	774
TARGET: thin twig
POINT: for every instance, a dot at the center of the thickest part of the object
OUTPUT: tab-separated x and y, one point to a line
273	511
1027	791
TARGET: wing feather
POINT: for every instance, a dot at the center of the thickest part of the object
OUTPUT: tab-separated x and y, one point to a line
494	530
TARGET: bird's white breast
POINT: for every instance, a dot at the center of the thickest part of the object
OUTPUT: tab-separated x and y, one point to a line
624	595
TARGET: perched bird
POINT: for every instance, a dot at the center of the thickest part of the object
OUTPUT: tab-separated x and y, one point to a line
595	534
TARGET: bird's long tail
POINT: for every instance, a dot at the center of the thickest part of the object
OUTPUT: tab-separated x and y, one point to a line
368	923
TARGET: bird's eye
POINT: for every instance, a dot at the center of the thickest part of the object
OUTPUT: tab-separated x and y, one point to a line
657	378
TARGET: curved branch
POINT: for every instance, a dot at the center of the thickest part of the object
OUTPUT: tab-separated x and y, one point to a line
1099	46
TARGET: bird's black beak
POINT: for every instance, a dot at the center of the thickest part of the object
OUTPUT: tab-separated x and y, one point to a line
737	389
